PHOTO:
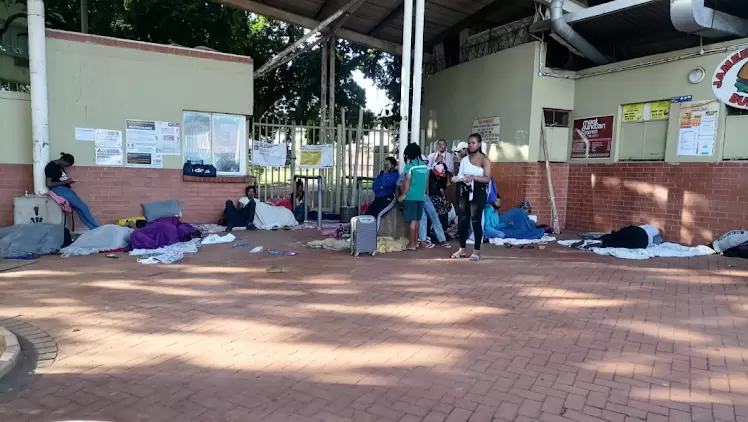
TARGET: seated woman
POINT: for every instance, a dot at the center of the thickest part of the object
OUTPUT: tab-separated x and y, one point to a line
270	217
243	214
514	224
59	183
300	209
384	190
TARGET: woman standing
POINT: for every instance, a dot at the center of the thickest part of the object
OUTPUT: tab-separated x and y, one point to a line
472	180
59	183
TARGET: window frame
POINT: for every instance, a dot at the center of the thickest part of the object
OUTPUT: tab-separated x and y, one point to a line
243	138
555	112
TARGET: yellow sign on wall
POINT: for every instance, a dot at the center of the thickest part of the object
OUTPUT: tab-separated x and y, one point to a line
633	113
659	110
644	112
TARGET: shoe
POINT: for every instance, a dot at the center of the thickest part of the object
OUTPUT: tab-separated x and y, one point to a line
229	229
251	226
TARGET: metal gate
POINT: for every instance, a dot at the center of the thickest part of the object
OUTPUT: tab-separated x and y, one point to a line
363	153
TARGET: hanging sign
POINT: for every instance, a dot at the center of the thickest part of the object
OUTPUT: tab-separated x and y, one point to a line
316	157
730	80
269	155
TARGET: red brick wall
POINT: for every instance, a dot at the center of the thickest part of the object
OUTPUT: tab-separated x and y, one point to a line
690	203
116	192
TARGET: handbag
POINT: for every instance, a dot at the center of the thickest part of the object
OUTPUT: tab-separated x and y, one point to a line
198	169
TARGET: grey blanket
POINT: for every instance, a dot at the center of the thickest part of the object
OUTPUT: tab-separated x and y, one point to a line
27	239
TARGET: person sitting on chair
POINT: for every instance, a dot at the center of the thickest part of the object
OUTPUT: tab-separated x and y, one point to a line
384	190
243	214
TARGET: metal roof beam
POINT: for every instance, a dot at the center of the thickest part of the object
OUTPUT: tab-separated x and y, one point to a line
593	12
456	28
570	6
388	19
309	23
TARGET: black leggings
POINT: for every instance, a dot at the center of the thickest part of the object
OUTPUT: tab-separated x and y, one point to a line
470	212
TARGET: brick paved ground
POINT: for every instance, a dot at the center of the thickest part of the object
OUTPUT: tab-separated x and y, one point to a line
554	335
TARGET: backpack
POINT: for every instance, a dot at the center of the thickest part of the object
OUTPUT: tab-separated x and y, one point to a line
198	169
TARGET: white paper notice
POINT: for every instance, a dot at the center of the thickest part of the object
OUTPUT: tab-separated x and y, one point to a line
141	140
698	128
269	155
108	147
167	138
85	134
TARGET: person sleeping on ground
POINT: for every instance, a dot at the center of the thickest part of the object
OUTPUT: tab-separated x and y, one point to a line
243	214
271	217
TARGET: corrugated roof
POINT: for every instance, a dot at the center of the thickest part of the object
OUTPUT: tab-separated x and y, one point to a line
382	19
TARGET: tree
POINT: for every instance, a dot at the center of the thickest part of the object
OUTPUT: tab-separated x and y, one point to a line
291	92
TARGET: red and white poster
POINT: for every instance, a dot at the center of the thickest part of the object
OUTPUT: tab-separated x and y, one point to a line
592	137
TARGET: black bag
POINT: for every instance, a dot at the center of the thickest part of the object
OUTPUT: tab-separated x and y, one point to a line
197	168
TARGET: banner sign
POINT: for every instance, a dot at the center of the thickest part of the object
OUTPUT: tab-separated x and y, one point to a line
592	137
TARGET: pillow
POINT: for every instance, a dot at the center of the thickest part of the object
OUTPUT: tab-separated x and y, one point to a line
162	209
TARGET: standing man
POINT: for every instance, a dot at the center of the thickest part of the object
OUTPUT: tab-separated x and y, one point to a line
442	156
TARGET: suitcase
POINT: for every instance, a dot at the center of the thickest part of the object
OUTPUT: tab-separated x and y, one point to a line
363	235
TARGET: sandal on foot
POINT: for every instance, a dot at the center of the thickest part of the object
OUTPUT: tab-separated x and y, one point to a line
427	245
458	255
446	245
475	257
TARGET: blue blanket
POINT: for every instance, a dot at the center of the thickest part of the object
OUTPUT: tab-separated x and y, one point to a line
514	224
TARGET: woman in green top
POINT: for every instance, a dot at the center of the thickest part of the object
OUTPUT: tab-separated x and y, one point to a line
413	191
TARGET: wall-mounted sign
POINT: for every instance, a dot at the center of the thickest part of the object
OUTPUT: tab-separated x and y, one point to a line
698	128
592	137
730	80
488	128
681	99
644	112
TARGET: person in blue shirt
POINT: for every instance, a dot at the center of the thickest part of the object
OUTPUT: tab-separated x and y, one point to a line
514	224
384	190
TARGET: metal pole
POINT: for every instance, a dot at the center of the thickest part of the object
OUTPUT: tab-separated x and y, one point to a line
84	16
415	122
323	93
39	98
344	144
331	81
320	184
359	129
306	205
405	77
339	169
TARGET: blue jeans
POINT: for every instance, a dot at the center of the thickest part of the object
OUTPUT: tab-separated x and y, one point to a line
429	211
78	205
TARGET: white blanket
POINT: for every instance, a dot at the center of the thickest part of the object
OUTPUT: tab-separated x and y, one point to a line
663	250
501	242
269	216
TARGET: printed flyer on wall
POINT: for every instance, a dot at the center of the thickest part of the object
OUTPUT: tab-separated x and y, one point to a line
698	128
269	155
141	144
108	147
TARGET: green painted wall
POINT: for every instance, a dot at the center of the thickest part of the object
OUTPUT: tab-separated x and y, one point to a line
15	121
96	86
602	91
496	85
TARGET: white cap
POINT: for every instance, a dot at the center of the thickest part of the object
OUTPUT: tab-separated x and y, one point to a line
459	147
